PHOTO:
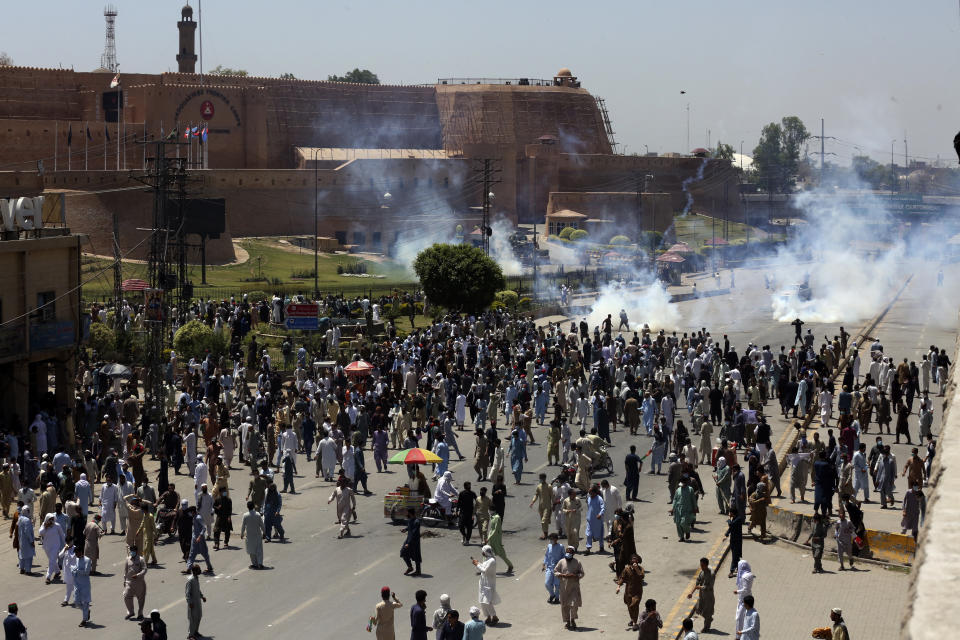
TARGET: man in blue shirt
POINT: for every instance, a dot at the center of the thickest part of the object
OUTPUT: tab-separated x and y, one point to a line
551	557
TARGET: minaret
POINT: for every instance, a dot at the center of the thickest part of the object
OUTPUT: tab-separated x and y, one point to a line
187	59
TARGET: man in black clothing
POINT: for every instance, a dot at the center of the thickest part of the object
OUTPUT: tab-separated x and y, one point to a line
418	617
452	628
12	626
465	501
632	463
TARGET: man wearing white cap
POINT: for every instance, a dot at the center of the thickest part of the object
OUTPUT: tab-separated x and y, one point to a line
569	571
487	568
108	505
475	628
440	615
839	626
54	538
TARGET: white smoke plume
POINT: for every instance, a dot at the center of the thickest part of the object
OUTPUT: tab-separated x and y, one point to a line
854	261
645	300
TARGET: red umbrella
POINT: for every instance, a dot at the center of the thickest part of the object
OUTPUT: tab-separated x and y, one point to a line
715	242
358	368
680	247
134	284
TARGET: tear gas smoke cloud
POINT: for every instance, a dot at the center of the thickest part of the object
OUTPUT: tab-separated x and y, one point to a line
443	230
854	261
645	300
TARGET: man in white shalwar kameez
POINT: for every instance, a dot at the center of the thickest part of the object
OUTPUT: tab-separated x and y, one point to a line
251	529
487	568
54	538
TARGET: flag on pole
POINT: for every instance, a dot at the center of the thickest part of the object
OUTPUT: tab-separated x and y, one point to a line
203	135
70	135
195	131
106	131
115	82
186	134
89	137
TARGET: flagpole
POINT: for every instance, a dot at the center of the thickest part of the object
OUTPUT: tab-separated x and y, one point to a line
86	138
177	146
106	134
56	134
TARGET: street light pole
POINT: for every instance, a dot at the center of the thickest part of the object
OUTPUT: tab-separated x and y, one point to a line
893	173
741	156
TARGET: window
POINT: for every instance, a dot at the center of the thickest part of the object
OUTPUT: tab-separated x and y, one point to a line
46	305
376	240
341	237
359	237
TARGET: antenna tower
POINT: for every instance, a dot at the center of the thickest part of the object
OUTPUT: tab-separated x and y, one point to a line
109	58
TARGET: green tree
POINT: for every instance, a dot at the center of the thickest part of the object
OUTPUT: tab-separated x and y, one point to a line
458	276
869	171
723	151
221	70
776	157
578	234
5	59
794	135
361	76
287	76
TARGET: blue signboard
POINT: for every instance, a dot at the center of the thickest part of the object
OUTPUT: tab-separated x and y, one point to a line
303	324
50	335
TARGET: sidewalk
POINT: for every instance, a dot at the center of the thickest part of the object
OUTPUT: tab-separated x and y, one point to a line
792	601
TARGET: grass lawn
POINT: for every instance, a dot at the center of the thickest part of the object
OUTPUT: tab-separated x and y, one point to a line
694	229
269	268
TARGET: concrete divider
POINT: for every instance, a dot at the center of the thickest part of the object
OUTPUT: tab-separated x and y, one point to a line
784	523
880	545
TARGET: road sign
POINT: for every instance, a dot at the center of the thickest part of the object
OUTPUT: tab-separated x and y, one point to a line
302	316
301	323
302	310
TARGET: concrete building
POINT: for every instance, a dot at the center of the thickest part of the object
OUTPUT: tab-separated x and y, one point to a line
40	321
272	146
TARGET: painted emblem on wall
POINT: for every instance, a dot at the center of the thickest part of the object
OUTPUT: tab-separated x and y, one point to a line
206	110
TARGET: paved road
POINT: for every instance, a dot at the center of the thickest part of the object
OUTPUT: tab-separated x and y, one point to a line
316	583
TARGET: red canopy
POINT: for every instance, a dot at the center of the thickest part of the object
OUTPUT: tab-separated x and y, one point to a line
358	368
715	242
670	257
680	247
134	284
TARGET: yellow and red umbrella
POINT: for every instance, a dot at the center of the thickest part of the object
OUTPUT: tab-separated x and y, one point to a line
414	456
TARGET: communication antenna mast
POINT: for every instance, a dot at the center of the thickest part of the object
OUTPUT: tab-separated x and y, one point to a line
109	58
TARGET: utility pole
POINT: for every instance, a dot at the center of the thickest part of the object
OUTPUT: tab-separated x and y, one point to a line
166	266
821	151
688	129
488	170
906	157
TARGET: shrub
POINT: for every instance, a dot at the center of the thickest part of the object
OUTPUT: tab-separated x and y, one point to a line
102	339
578	234
256	296
508	298
524	303
619	240
195	339
496	305
565	233
553	236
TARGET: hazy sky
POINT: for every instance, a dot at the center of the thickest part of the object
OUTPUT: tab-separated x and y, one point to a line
872	69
